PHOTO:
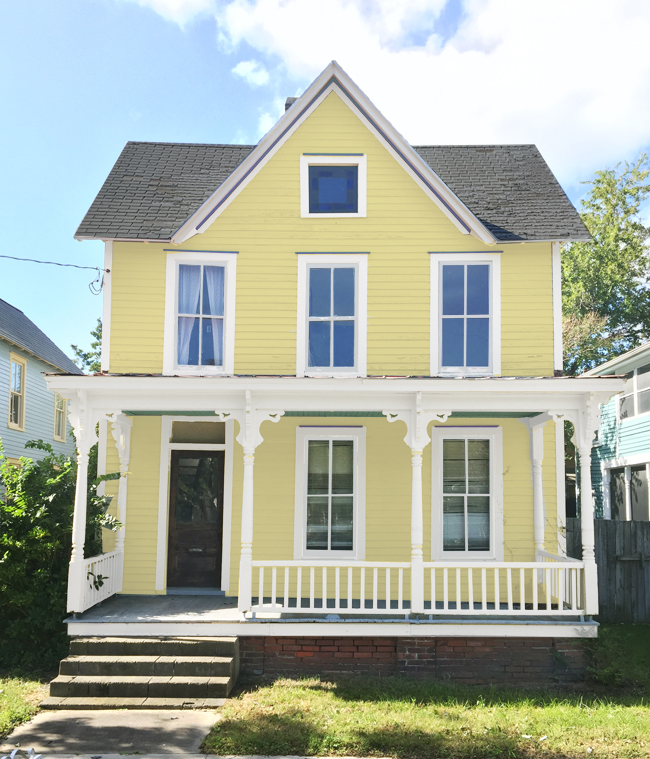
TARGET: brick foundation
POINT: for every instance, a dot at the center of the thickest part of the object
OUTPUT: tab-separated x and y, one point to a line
482	661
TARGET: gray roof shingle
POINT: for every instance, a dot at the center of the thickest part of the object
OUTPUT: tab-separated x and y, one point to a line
17	329
155	186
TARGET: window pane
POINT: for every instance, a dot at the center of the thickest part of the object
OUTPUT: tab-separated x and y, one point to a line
343	292
626	406
453	523
342	466
196	501
617	493
478	342
478	289
17	377
453	339
644	401
15	404
189	289
343	344
639	493
319	343
320	292
212	342
318	467
317	523
333	189
213	279
478	523
643	377
478	461
453	290
342	508
453	466
188	341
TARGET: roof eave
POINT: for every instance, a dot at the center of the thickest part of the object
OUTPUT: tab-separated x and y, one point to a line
40	358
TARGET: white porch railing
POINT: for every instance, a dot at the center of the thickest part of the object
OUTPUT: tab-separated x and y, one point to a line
101	578
303	587
549	587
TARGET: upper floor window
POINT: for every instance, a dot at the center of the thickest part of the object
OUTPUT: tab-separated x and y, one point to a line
332	295
636	397
465	314
59	418
199	313
332	184
17	372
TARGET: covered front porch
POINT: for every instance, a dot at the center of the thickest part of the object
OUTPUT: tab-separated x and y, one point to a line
534	589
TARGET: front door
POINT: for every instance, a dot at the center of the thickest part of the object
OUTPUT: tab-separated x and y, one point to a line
195	519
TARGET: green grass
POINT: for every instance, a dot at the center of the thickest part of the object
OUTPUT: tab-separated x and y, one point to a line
20	696
399	717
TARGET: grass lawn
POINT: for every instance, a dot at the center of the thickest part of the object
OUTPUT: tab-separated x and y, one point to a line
20	696
399	717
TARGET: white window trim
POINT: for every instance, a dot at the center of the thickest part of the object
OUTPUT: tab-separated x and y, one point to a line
162	532
305	261
65	421
495	435
341	159
634	392
229	260
14	358
358	435
495	309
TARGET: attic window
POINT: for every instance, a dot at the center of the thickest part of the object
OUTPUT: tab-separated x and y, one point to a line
332	185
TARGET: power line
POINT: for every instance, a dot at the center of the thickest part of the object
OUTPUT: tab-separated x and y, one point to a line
95	286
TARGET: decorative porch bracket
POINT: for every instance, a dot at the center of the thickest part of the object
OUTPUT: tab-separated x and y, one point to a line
417	438
250	419
585	422
535	426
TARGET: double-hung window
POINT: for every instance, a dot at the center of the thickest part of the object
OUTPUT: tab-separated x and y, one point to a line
467	492
199	313
332	306
329	492
17	372
59	418
637	395
465	315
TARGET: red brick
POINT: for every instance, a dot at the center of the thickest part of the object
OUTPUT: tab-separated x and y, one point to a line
291	648
363	655
343	655
311	648
302	654
329	648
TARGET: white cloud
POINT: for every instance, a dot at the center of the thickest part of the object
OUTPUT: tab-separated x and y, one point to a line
180	11
252	72
572	77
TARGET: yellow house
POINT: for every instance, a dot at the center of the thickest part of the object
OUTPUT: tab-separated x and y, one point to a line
331	379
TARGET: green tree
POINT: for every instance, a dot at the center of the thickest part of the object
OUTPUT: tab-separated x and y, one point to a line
605	287
36	507
90	361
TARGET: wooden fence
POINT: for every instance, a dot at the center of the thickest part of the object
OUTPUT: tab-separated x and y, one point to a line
623	558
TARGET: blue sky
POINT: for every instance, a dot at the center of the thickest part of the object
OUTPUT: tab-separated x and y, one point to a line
81	77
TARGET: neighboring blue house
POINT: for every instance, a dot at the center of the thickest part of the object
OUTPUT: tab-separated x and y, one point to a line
28	410
620	467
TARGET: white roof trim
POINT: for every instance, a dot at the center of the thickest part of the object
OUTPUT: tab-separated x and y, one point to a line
623	363
334	79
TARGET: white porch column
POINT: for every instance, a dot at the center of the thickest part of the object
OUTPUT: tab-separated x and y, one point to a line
84	430
417	438
121	429
250	420
535	427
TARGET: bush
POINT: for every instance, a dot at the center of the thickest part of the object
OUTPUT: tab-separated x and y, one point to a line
36	507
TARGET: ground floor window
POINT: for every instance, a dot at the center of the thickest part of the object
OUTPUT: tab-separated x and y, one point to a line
638	493
463	494
329	492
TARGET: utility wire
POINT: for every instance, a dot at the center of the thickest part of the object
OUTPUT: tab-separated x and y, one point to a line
95	286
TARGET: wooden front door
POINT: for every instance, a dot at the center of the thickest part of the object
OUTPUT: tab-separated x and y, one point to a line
195	519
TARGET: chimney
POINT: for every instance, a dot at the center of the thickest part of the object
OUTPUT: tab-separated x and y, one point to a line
289	102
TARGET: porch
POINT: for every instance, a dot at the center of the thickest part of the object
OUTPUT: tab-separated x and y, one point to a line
542	594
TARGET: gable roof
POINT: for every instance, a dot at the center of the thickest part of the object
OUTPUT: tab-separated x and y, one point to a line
17	329
632	359
169	192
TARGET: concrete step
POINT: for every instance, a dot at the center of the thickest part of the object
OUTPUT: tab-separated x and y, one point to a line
154	647
172	666
98	702
125	686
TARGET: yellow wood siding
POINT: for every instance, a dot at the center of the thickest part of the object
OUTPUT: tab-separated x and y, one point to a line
264	225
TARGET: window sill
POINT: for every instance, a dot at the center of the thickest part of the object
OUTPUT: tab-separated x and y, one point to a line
333	374
204	371
15	427
59	440
333	216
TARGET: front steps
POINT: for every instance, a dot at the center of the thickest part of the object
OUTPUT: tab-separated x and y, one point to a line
145	673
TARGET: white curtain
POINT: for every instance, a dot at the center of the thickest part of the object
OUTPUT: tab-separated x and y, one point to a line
213	292
189	292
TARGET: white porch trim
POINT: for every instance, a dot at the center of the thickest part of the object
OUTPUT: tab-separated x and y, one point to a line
106	306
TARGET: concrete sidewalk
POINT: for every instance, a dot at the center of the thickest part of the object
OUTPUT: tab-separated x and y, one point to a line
112	733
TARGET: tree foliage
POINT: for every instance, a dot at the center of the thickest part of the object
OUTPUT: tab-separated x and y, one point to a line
90	361
605	287
36	507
